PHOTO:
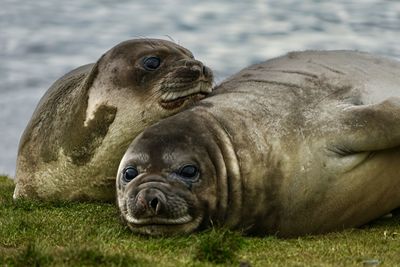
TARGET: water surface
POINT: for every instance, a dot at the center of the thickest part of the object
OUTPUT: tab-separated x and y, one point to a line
41	40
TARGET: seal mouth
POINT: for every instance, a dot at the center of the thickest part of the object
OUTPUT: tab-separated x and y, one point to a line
164	227
158	221
174	100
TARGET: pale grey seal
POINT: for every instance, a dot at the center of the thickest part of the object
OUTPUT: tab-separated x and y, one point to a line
306	143
82	126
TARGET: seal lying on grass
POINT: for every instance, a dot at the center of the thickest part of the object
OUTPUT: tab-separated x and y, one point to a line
302	144
82	126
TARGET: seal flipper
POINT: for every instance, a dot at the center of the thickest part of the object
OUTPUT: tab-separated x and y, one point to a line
370	127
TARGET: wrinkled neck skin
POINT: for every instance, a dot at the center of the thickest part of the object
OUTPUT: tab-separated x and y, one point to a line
240	199
258	155
275	172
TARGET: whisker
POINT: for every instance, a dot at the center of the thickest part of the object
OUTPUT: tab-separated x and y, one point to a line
170	38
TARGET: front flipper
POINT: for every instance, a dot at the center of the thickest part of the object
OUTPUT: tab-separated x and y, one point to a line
369	127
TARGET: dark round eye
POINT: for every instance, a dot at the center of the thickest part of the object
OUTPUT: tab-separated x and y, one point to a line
129	173
188	172
151	63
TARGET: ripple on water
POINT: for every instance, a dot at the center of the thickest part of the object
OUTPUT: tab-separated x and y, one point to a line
43	39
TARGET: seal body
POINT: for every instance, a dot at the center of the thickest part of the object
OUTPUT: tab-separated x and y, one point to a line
302	144
82	126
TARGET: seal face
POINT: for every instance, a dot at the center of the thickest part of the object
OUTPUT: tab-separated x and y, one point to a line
302	144
156	187
85	121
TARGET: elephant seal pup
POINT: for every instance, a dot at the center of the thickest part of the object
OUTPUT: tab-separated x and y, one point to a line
302	144
82	126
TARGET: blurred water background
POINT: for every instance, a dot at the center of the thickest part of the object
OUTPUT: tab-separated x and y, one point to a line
41	40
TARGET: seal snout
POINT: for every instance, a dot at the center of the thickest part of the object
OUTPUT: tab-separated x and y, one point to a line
154	205
189	82
148	203
202	72
207	73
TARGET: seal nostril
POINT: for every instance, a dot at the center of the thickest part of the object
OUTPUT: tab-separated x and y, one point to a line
154	204
204	70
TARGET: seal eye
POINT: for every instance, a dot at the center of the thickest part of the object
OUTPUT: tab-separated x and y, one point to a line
188	172
129	173
151	63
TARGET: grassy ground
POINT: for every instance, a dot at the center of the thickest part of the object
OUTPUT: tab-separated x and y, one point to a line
88	234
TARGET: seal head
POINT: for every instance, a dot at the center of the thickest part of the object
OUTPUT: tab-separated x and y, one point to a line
164	182
156	70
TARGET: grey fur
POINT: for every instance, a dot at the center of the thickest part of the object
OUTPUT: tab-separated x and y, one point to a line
81	127
302	144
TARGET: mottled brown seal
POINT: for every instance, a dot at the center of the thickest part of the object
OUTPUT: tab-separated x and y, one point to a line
82	126
302	144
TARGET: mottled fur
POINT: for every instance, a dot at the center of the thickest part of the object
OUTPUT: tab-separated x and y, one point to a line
77	135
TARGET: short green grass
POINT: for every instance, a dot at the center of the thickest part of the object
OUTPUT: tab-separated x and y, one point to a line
89	234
